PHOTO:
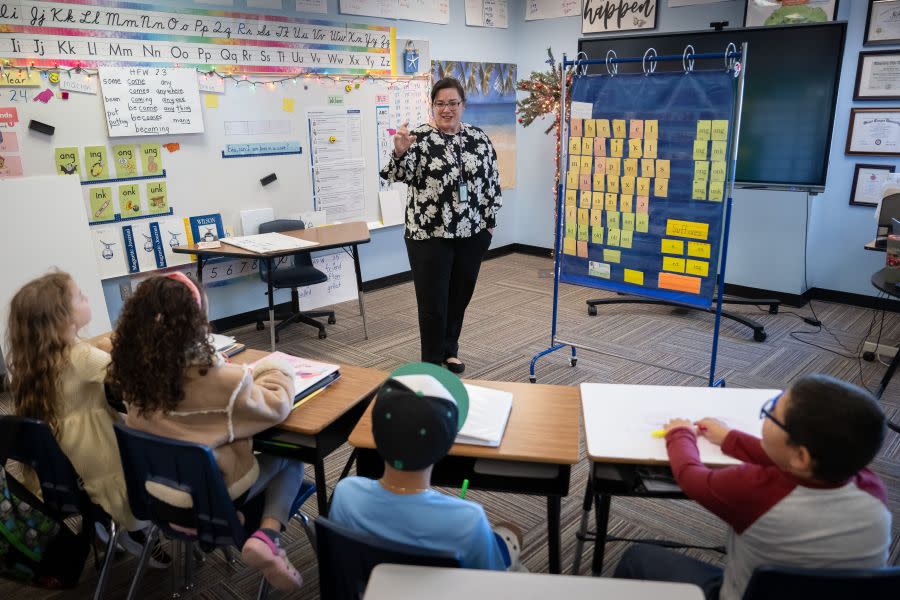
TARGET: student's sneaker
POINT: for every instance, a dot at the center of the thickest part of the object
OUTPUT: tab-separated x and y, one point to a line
263	552
510	538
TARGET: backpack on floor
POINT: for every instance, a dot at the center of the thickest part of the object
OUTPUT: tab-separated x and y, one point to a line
36	547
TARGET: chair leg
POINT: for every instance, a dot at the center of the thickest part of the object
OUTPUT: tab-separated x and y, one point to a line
114	533
263	592
308	530
230	556
142	563
188	566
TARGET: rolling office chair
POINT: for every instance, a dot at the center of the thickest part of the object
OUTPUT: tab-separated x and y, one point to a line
301	274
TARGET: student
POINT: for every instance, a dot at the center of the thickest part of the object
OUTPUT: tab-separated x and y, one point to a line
803	498
58	378
175	385
416	416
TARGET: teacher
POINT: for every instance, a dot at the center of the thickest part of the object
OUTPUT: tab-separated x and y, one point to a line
451	210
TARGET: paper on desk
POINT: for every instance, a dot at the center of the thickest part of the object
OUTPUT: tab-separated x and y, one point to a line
220	341
488	414
268	242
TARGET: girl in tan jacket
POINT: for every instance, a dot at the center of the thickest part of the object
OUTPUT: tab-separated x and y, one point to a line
175	385
58	378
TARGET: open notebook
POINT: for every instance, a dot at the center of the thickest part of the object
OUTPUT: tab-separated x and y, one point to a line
310	376
488	414
268	242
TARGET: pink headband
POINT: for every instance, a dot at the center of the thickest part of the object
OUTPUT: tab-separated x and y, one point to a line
195	292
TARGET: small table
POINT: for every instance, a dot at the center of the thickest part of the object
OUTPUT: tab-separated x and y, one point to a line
618	423
326	237
322	424
535	457
879	280
404	582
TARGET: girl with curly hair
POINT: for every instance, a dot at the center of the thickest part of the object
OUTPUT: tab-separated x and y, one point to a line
175	385
58	378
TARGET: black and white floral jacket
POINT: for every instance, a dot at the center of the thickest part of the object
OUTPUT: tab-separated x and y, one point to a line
432	168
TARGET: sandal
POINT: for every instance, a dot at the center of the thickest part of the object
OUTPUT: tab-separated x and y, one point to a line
265	554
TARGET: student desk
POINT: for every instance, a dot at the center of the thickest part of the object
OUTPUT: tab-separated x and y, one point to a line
618	423
326	237
535	457
405	582
320	425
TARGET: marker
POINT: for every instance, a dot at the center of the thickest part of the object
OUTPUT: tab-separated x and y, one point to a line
465	488
659	433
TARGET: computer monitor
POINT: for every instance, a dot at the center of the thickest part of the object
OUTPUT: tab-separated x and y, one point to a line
890	211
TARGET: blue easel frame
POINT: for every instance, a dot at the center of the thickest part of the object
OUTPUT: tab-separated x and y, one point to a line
735	60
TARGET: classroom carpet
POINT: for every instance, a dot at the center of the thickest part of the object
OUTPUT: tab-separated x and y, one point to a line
508	322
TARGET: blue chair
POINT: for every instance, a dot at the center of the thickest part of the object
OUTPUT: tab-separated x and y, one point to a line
347	557
30	442
210	519
301	274
789	583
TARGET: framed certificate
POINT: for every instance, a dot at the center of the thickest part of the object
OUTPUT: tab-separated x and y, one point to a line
867	180
882	22
878	76
874	132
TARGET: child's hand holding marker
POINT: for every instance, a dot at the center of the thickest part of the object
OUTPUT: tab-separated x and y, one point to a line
712	429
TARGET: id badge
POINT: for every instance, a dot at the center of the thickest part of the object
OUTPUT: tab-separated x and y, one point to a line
463	192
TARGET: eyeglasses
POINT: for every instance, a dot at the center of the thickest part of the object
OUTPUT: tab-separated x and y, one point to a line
766	413
452	105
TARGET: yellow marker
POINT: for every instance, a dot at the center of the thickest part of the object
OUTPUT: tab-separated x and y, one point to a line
659	433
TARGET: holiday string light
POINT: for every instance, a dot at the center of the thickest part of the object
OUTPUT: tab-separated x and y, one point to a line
271	81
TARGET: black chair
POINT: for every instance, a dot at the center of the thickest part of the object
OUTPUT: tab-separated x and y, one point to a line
790	583
301	274
30	442
347	557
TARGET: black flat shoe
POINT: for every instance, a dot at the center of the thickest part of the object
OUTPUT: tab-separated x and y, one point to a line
455	367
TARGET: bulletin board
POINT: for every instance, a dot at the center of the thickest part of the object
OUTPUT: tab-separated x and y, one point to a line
255	112
645	183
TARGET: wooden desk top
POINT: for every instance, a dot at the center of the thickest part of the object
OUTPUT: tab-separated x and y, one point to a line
405	582
326	236
310	418
544	426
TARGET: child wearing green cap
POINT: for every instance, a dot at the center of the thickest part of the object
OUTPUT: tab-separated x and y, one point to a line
416	416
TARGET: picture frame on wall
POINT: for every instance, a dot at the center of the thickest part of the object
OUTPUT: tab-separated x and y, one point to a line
764	13
867	181
605	16
873	132
882	23
878	76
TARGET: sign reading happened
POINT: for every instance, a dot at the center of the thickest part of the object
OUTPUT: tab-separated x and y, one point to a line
151	101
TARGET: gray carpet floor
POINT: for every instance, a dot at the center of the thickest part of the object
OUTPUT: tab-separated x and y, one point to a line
508	322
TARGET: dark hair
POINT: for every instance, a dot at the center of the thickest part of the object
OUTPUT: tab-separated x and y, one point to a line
161	332
840	424
447	83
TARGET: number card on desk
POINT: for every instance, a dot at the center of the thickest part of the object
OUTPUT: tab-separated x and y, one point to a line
619	420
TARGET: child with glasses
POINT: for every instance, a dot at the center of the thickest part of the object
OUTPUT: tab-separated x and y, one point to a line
802	498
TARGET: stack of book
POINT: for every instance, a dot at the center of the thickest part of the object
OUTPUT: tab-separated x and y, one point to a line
310	376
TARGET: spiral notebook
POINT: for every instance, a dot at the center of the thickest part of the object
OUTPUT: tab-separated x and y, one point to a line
310	376
488	414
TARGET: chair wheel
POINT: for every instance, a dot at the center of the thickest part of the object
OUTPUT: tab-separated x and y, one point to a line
260	326
532	379
759	336
322	335
592	311
573	361
773	309
332	320
868	356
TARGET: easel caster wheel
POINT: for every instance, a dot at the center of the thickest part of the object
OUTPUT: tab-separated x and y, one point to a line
573	361
260	326
759	336
592	310
532	379
322	335
332	320
868	356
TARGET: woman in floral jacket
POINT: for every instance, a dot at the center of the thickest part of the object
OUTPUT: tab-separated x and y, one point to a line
453	199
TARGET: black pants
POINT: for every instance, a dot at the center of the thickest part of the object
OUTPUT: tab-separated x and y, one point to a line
652	563
444	272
